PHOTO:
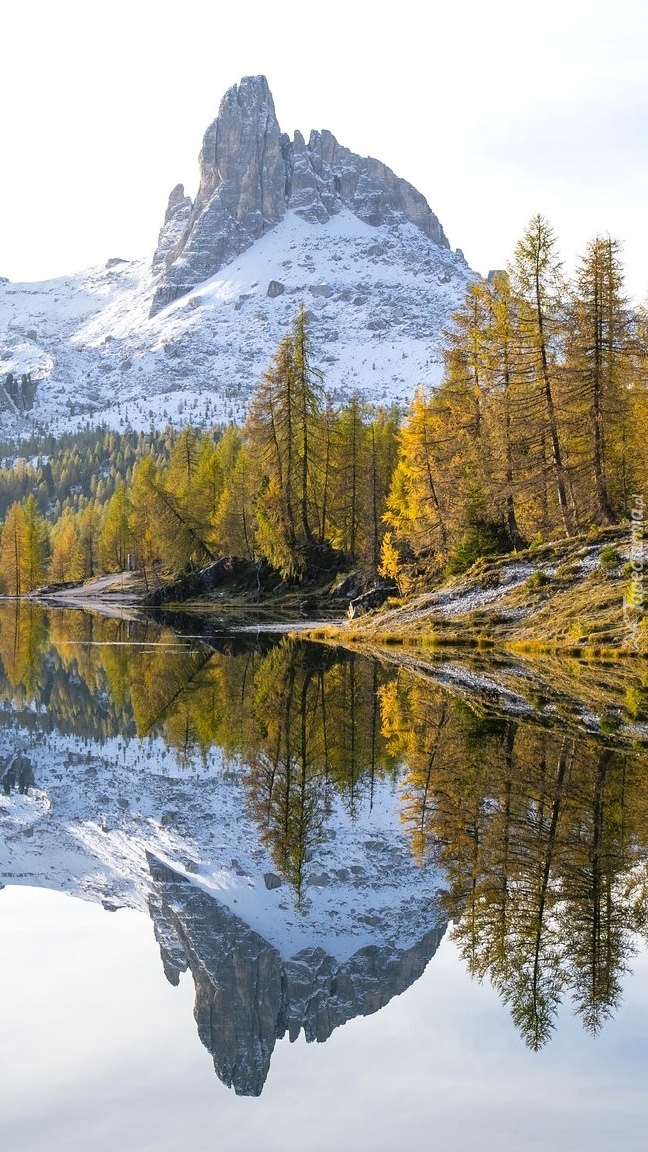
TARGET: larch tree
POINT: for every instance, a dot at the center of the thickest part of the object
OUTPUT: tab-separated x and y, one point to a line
382	457
64	565
89	532
117	536
234	521
36	545
143	525
25	548
502	387
309	397
349	476
474	455
598	369
13	541
536	276
416	509
270	432
285	432
180	534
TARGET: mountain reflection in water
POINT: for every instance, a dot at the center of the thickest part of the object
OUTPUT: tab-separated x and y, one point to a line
302	823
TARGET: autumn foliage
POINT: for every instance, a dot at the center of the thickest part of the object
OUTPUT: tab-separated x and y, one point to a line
539	429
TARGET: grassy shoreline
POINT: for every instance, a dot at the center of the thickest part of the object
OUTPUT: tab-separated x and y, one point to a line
565	597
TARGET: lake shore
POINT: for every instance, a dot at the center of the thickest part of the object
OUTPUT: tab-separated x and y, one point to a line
569	597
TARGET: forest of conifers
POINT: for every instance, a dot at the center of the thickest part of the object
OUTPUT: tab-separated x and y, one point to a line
539	429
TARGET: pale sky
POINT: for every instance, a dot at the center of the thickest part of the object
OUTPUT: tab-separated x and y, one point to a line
493	110
101	1053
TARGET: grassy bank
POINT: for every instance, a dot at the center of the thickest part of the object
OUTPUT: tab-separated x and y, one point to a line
565	597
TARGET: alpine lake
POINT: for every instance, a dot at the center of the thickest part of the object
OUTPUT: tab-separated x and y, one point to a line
262	894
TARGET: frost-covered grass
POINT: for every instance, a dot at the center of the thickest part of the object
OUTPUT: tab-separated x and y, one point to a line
565	595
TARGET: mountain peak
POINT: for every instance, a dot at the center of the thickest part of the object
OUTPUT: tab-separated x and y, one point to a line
251	174
276	221
250	87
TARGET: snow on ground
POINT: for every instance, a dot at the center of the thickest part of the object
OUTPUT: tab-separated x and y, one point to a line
379	299
457	604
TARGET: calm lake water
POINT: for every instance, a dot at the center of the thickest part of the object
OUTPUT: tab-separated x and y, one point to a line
265	894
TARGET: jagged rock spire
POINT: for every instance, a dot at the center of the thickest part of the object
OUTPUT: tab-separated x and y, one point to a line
251	174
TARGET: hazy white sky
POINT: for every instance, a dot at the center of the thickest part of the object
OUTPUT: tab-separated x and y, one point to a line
98	1052
494	111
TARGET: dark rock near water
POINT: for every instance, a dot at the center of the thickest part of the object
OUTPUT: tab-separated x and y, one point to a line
229	570
349	587
371	599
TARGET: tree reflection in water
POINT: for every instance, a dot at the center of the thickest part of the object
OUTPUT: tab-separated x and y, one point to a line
541	831
542	835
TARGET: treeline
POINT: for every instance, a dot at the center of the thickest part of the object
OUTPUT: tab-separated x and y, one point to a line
540	428
64	507
299	482
65	472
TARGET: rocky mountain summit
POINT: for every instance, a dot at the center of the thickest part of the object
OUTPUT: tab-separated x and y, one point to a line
275	223
251	174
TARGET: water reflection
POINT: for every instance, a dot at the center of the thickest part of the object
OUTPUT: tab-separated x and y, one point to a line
18	776
302	823
542	835
249	995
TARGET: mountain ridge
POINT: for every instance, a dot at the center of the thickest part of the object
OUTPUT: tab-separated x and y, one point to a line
185	338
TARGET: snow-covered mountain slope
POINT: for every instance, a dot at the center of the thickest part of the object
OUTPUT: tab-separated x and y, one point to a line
378	298
276	223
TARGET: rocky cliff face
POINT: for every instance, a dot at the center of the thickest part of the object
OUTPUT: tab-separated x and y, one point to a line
251	175
248	996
